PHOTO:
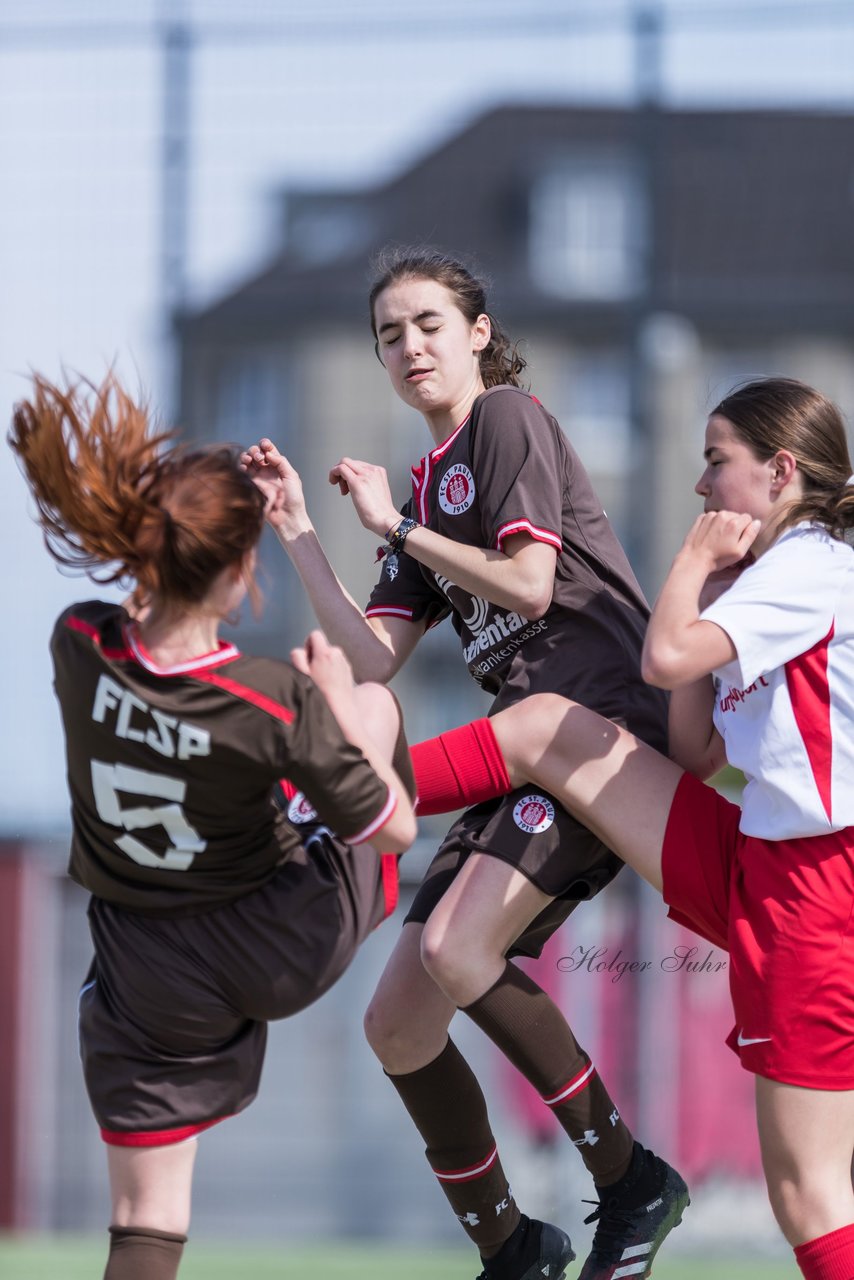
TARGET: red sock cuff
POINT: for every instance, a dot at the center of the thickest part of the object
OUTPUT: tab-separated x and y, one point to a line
830	1257
459	768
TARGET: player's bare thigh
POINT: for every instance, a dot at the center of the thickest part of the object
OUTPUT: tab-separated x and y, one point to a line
471	929
615	784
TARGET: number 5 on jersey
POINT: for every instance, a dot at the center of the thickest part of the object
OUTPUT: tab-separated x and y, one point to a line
109	779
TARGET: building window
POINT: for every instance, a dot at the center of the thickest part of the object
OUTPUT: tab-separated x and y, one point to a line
250	396
596	410
325	229
587	229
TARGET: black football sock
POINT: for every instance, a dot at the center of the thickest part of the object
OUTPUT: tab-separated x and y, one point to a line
533	1034
445	1101
141	1253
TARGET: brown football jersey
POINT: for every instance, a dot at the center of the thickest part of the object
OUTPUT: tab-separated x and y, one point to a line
510	469
172	771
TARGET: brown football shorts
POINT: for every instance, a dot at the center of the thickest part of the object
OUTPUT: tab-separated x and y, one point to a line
528	829
174	1011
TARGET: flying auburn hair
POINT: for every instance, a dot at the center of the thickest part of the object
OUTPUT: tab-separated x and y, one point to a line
115	502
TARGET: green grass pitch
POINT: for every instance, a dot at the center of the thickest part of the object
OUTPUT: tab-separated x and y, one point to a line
75	1258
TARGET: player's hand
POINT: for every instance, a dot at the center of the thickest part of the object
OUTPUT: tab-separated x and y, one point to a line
280	484
722	579
368	486
328	667
721	539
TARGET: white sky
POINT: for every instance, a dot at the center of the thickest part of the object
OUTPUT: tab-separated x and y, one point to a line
336	94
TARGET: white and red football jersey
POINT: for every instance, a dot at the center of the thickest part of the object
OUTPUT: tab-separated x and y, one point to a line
785	705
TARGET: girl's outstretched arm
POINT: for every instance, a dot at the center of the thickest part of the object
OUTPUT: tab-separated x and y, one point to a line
376	648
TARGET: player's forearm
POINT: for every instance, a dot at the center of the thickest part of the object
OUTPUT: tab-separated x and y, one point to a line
503	580
695	745
336	611
668	648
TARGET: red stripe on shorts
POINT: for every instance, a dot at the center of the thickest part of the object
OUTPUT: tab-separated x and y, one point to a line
159	1137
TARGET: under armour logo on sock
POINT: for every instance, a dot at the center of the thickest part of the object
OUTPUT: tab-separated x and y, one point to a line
590	1139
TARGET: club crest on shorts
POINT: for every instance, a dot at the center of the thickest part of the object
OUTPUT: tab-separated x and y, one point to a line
299	809
534	814
456	490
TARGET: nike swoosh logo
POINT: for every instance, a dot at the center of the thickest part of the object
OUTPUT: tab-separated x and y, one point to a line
741	1042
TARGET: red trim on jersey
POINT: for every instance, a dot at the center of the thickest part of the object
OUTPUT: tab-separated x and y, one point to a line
391	881
420	484
378	823
575	1085
809	691
442	449
160	1137
288	788
86	629
224	652
77	624
392	611
423	471
525	526
471	1172
248	695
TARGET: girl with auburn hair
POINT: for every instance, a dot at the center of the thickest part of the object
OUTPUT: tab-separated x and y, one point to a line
753	633
504	534
213	909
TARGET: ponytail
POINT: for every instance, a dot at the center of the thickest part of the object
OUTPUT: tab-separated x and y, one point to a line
114	502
